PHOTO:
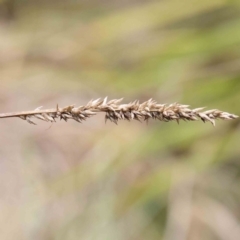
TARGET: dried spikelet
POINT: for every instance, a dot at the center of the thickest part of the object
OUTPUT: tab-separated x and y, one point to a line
114	111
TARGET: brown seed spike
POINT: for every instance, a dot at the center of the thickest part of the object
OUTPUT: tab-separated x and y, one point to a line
115	111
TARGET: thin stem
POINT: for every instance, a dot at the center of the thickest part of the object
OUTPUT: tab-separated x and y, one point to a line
26	113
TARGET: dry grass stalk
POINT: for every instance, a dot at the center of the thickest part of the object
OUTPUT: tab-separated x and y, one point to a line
116	111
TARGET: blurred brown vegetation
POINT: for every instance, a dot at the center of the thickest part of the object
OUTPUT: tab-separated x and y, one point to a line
132	181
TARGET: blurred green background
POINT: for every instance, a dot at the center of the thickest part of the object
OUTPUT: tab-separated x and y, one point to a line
133	181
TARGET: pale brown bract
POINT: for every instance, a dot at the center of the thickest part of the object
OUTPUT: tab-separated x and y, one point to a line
115	111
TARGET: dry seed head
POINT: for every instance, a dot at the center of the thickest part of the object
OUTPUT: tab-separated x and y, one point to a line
115	111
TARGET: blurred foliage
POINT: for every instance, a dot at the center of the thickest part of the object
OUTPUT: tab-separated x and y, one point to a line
132	181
